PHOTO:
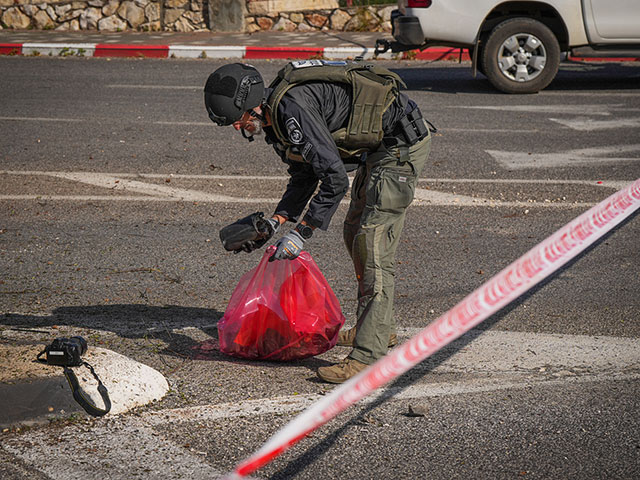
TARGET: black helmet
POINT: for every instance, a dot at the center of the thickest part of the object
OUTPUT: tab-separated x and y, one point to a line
232	90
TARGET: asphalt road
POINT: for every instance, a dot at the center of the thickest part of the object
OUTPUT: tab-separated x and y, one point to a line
114	185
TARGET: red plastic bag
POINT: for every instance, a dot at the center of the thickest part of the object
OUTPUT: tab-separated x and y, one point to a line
281	310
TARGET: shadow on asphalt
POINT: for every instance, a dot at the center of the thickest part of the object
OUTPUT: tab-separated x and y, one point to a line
572	76
135	321
127	321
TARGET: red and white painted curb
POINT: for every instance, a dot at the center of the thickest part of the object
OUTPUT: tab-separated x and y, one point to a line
199	51
533	267
243	52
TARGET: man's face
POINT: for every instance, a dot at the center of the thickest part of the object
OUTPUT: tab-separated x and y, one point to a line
251	124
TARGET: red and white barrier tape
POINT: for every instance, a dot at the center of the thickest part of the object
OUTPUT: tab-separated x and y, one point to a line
534	266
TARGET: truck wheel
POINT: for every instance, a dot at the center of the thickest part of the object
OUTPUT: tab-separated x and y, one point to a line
521	56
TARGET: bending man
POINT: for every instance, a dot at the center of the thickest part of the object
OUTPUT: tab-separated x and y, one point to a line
324	119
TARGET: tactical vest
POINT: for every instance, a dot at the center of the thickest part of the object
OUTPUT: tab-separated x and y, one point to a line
373	90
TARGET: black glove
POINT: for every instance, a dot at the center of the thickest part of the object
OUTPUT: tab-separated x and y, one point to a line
288	247
248	233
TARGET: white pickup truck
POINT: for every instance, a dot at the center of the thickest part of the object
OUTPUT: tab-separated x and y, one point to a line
517	45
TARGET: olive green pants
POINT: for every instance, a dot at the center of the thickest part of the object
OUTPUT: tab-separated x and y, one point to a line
382	190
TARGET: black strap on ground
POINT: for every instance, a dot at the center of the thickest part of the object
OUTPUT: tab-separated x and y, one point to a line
78	394
84	401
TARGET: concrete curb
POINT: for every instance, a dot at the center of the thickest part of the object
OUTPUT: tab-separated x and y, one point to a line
42	392
193	51
131	384
243	52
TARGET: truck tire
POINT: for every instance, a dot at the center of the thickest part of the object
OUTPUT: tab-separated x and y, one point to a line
521	55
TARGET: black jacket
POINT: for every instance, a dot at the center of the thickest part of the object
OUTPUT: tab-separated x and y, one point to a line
308	114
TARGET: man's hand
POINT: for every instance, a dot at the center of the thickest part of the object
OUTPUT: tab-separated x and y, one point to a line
288	247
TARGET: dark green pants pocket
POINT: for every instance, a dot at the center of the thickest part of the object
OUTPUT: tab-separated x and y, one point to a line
391	189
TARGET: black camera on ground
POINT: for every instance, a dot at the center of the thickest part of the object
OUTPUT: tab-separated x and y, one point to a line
66	351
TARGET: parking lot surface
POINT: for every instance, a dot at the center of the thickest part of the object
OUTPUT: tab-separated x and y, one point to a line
114	185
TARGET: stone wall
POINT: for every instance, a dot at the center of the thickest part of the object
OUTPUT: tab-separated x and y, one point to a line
356	19
103	15
188	15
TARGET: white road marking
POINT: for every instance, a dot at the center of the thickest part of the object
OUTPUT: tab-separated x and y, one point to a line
592	109
150	175
192	124
41	119
294	404
160	87
108	451
114	198
432	197
528	358
131	448
592	94
588	125
127	446
615	184
504	351
521	353
164	193
429	198
585	156
490	130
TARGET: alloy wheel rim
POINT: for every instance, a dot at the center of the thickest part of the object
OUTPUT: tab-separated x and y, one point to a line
522	57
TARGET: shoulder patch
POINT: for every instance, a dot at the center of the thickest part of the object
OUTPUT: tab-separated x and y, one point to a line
307	63
294	131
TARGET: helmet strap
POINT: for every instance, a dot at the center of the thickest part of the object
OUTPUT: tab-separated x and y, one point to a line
260	117
246	135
